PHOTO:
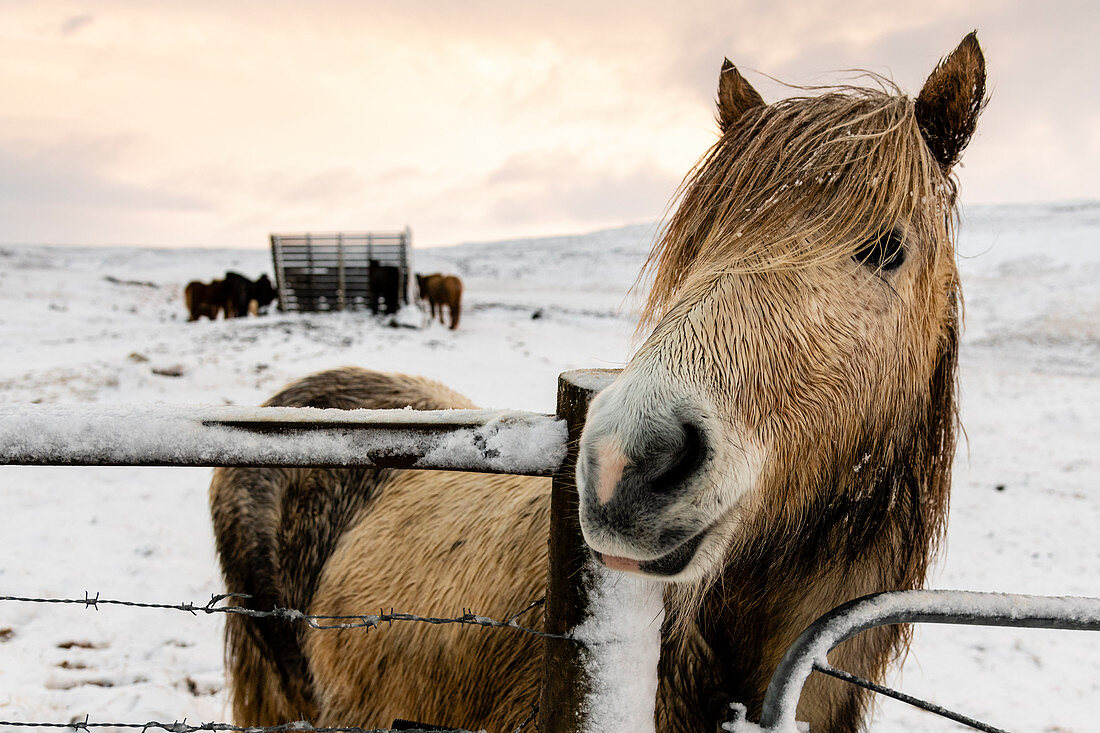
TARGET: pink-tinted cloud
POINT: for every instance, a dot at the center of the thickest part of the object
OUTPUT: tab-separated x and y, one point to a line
477	119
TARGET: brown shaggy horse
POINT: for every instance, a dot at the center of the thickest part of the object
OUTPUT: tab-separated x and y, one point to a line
781	443
441	290
204	300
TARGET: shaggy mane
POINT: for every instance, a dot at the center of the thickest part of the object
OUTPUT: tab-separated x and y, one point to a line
804	181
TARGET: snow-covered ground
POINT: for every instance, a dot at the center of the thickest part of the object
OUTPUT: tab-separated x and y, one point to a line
94	325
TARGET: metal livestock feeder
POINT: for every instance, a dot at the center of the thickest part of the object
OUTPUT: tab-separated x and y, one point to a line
331	272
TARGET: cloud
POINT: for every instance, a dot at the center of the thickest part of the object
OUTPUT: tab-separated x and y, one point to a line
553	188
329	185
479	118
75	173
76	23
68	192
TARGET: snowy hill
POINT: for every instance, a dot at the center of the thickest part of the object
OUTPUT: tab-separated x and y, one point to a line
82	325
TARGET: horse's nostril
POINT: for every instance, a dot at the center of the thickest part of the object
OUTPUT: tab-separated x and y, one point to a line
686	459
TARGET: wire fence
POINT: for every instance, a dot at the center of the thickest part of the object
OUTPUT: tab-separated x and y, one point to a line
916	702
1085	615
299	726
365	621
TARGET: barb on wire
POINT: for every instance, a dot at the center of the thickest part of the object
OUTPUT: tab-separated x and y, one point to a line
324	623
943	712
183	726
532	605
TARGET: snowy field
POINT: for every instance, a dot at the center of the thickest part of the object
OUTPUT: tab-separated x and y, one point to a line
81	326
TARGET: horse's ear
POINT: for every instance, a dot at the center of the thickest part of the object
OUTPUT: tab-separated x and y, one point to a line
949	104
735	96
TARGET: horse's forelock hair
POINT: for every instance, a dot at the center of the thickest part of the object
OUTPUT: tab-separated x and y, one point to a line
805	181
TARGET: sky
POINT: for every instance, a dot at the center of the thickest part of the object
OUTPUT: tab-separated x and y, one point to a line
216	123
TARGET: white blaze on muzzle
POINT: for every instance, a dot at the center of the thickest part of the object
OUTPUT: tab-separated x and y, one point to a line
657	474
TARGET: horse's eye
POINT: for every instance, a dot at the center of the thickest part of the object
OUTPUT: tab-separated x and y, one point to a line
884	252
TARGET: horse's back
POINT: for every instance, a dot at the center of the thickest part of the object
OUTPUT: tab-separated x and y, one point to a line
453	287
434	544
203	299
351	388
354	540
447	290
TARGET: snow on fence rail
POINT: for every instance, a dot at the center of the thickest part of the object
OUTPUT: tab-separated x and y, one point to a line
809	652
490	441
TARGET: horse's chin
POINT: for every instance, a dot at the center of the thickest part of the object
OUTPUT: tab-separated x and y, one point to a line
685	563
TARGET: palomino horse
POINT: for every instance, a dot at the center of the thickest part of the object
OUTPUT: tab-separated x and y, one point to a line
781	443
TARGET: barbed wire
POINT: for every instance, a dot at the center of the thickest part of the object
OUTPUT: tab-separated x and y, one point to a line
916	702
367	622
183	726
315	621
297	726
321	622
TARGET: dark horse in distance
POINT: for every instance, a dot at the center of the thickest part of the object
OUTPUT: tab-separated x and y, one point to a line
244	297
204	299
385	286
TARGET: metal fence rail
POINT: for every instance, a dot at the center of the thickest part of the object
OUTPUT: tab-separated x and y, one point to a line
810	650
489	441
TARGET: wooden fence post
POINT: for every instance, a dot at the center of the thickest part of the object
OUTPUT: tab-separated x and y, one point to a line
564	681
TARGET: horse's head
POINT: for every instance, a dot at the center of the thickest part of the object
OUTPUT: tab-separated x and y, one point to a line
805	306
